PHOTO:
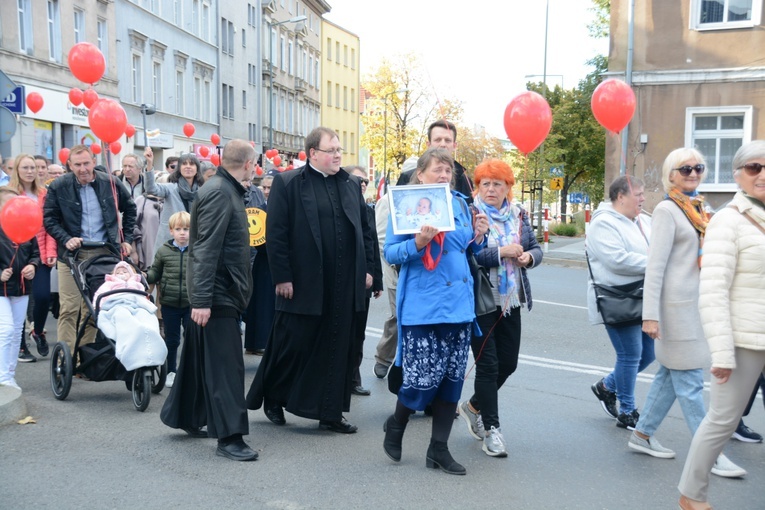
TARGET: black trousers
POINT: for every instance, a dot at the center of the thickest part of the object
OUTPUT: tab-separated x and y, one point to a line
496	359
209	384
358	343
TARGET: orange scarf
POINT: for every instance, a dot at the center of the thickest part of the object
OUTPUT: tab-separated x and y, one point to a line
693	208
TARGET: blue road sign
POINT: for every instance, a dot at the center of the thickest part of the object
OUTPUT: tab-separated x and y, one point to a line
15	101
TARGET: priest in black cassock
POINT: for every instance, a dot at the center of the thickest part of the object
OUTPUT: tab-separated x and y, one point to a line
320	251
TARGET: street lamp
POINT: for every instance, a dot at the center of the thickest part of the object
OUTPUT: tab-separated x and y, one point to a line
271	25
385	135
146	109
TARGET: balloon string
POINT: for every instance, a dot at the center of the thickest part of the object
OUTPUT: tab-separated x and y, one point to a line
115	197
10	265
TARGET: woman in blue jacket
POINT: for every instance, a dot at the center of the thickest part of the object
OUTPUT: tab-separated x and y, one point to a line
436	310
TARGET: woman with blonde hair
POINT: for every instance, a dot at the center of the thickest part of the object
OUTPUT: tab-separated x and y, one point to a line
670	307
24	179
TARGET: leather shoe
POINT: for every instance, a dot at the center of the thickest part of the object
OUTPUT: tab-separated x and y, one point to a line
275	413
381	370
236	450
360	390
195	431
341	427
688	504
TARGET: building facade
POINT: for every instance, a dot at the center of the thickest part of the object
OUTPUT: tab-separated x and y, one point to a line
699	78
35	42
341	78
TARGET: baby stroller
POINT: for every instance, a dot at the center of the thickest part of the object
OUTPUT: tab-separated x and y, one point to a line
97	361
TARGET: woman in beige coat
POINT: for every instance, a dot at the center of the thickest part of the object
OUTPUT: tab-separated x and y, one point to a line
671	307
732	306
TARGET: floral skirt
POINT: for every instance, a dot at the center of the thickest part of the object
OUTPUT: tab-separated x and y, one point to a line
433	359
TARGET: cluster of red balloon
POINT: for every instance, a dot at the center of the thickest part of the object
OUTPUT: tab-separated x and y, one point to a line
21	218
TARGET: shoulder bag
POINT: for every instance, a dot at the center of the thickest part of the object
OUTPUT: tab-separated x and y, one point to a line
619	305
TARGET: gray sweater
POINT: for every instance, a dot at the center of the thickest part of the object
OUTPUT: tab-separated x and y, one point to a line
172	205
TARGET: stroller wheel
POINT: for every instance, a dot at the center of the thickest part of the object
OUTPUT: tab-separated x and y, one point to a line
141	388
158	377
61	367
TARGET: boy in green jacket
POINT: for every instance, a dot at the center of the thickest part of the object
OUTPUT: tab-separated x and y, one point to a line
169	269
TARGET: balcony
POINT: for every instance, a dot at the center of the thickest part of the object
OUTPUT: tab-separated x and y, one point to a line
300	84
267	69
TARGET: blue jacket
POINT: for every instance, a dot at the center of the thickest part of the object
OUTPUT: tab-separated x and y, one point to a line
441	296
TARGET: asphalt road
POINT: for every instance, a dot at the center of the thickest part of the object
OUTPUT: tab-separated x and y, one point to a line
94	450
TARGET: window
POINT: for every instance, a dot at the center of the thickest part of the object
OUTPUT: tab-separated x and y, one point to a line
345	98
329	48
207	101
291	114
156	84
206	23
79	26
316	76
252	130
155	7
179	92
227	102
227	36
345	55
283	52
723	14
195	17
353	143
244	99
329	93
252	15
135	75
25	25
272	46
244	38
198	97
54	31
353	58
353	100
291	59
718	133
103	39
178	12
337	52
337	95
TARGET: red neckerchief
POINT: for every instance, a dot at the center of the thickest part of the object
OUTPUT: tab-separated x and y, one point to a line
427	259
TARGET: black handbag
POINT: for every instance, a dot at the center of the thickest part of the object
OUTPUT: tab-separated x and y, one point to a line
619	305
484	299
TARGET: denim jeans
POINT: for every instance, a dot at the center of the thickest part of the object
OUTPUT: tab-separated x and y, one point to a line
174	318
41	293
634	352
687	386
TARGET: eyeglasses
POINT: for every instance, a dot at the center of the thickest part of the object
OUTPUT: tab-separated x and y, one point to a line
364	181
339	150
686	170
752	168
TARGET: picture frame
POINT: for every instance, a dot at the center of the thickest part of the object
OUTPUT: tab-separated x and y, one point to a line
416	205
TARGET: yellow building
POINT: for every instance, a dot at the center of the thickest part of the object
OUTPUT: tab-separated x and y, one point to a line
341	84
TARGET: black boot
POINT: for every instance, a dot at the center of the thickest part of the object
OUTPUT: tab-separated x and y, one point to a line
394	434
439	457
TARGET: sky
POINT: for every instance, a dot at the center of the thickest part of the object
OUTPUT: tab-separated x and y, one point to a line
478	52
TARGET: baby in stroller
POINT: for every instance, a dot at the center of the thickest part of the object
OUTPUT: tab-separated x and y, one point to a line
130	319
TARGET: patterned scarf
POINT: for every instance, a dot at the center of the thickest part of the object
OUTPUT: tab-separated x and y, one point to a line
692	205
505	228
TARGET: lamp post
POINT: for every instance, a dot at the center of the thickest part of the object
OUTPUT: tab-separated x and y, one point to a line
146	109
385	135
271	25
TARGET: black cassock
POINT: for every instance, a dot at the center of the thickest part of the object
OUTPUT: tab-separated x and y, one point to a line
308	362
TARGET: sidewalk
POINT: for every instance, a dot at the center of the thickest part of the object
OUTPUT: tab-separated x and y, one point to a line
565	251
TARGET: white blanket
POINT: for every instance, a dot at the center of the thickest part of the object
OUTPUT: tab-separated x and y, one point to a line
130	320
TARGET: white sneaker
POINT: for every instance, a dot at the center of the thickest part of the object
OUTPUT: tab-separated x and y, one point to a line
11	383
494	443
727	469
169	380
650	446
472	420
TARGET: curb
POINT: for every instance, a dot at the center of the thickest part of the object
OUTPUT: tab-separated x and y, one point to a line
12	405
560	262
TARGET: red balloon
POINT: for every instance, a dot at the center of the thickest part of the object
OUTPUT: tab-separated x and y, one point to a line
95	148
75	96
301	156
89	98
34	101
188	129
129	130
289	167
63	155
215	159
277	160
21	219
107	120
204	151
528	120
215	139
115	148
86	62
613	104
270	153
258	170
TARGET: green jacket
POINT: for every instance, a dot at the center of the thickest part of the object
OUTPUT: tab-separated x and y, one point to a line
169	269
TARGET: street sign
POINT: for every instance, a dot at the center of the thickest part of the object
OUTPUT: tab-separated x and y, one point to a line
7	124
556	183
15	101
556	172
575	198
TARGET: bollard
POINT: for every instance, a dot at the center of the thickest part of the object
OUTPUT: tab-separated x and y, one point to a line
546	224
587	216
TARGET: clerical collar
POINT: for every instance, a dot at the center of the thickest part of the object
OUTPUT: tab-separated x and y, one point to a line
325	175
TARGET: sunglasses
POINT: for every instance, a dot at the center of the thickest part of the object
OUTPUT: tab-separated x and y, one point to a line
365	181
752	168
686	170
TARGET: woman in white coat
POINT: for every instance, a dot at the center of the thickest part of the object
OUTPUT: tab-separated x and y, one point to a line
732	306
671	307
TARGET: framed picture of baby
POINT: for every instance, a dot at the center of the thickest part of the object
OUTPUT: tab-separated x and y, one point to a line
416	205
